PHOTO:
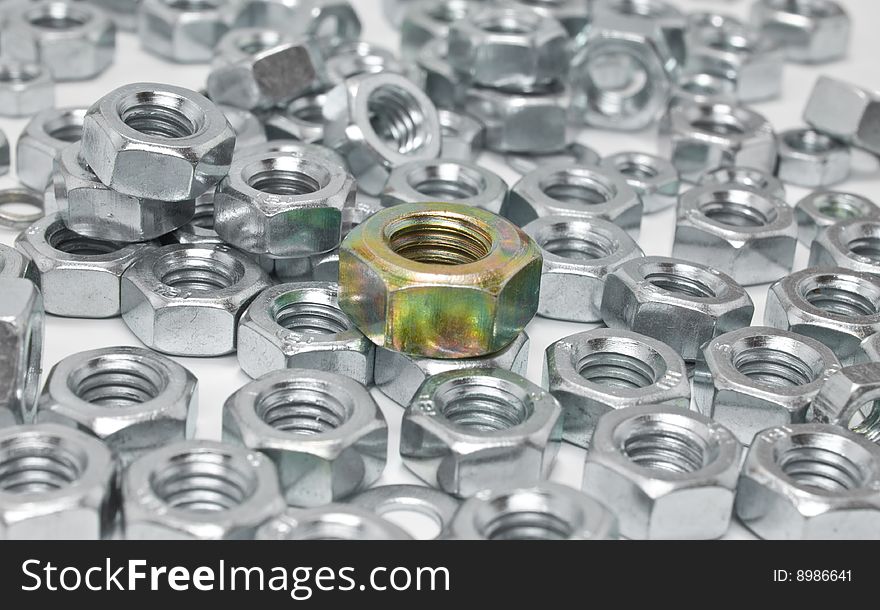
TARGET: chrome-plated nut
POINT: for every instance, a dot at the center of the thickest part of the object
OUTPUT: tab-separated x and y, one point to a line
680	303
744	233
302	119
810	482
25	88
287	270
282	205
427	20
573	154
200	229
811	158
124	13
466	431
79	276
574	15
667	473
399	376
300	326
653	178
545	511
185	32
870	349
598	371
157	141
702	137
821	209
758	377
853	244
56	483
583	191
357	58
508	46
701	88
330	522
324	432
462	135
21	334
48	133
199	490
851	399
16	264
445	180
241	44
248	127
836	306
331	23
745	176
810	32
435	76
378	122
578	255
388	499
133	399
845	111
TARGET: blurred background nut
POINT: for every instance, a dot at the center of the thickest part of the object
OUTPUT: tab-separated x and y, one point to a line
43	138
124	13
302	119
248	127
811	158
330	522
573	154
200	229
324	432
701	88
750	177
462	135
390	500
21	334
853	244
75	40
55	483
242	44
436	77
25	88
821	209
744	233
578	254
131	398
594	372
573	15
812	32
845	111
184	32
16	264
427	20
755	378
445	180
851	399
199	490
20	207
666	472
5	156
653	178
79	276
671	21
359	57
186	300
466	431
680	303
329	22
294	148
810	482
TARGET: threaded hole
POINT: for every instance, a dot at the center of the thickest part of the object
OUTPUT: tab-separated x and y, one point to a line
117	381
867	247
65	240
527	525
641	8
252	43
808	140
807	8
618	82
580	248
397	118
204	481
449	11
163	115
840	206
310	317
446	181
65	128
664	446
866	421
839	300
822	469
302	408
201	273
34	465
636	169
735	214
577	188
773	367
58	16
723	125
483	404
284	182
506	24
19	73
309	109
616	370
441	241
204	217
679	284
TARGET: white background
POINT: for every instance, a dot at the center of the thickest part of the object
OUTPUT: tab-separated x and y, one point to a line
220	377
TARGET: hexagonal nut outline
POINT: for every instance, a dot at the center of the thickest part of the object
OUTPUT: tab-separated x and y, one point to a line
822	209
842	244
455	180
185	34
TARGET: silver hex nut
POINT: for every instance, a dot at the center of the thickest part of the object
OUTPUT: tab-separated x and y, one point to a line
809	32
25	88
48	133
821	209
21	334
811	158
181	32
845	111
851	399
442	179
854	244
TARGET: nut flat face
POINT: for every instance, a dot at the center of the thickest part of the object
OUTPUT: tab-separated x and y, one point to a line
43	138
330	522
854	244
25	88
21	331
463	136
302	119
428	20
821	209
185	33
845	111
16	264
851	399
653	178
813	159
445	180
812	32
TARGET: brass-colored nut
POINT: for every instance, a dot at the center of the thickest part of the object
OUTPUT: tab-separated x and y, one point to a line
439	279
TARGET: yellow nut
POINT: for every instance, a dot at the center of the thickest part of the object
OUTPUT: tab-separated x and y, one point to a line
439	279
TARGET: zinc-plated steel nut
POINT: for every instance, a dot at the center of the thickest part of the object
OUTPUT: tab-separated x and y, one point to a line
833	305
330	522
48	133
331	23
360	57
94	210
157	141
445	180
466	431
32	201
750	177
574	15
302	119
25	88
462	135
200	229
546	511
80	276
440	280
851	399
185	32
378	122
432	72
508	46
845	111
427	20
748	235
810	482
199	490
653	178
16	264
701	88
811	158
294	148
399	376
124	13
248	127
578	254
133	399
583	191
853	244
241	44
758	377
598	371
55	483
821	209
324	432
21	334
388	499
573	154
702	137
664	471
186	300
810	32
300	326
75	41
282	205
870	349
680	303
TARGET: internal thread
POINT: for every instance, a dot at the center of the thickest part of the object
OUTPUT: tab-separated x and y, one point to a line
446	190
33	466
818	468
204	217
71	132
841	302
576	189
441	242
527	525
808	140
303	409
869	426
58	16
119	386
839	207
618	83
486	408
201	274
637	170
203	482
312	318
868	247
723	126
160	121
679	284
734	214
579	248
506	24
284	182
311	112
773	367
397	118
65	240
666	447
259	42
192	5
18	73
449	11
616	370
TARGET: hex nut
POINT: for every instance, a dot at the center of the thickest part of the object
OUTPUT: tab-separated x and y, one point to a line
16	264
573	15
80	276
575	153
745	176
302	119
812	159
853	244
821	209
359	57
330	23
330	522
844	111
578	255
388	499
124	13
702	88
248	127
241	44
436	77
427	20
441	280
294	148
21	334
653	178
25	88
133	399
680	303
324	432
810	32
466	431
598	371
810	482
870	349
56	483
48	133
759	377
667	473
748	235
445	180
462	135
32	203
199	490
200	229
851	398
181	32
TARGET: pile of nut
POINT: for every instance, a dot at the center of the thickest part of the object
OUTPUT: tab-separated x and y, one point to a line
243	219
